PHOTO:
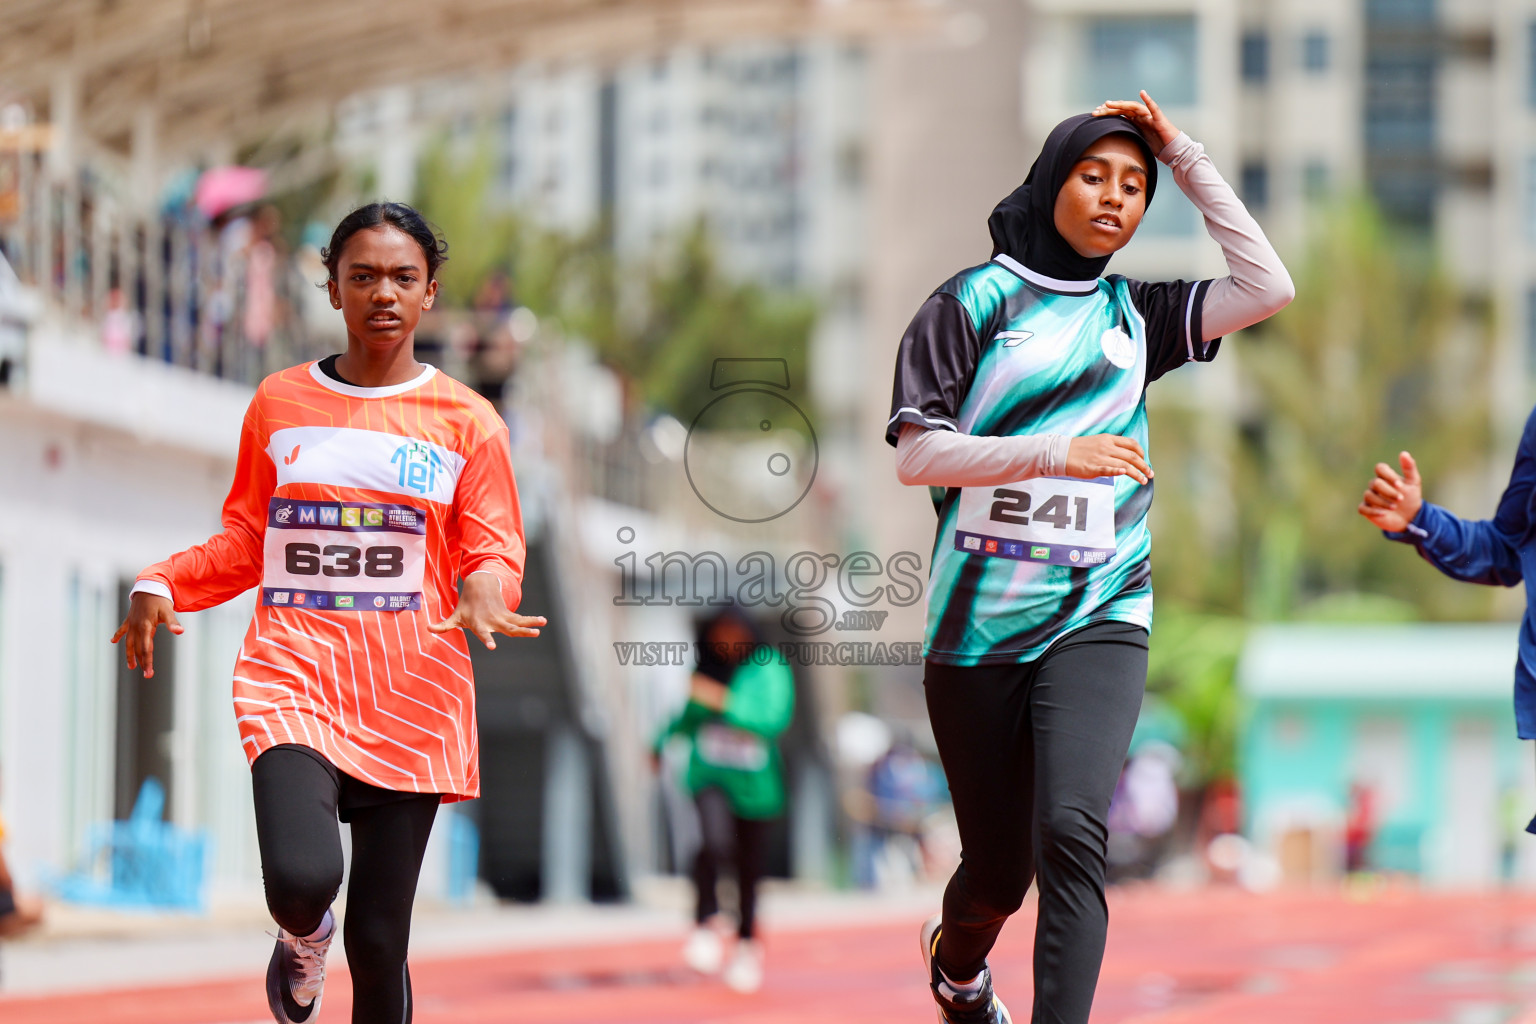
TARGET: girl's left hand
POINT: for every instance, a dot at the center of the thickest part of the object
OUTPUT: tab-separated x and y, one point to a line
708	692
1147	116
482	611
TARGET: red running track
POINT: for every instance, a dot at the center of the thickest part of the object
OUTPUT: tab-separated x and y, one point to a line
1202	957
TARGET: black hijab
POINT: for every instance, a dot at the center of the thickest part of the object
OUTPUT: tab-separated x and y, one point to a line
717	661
1024	225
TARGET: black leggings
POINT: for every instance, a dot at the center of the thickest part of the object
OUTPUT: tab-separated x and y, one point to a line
298	797
1032	753
727	838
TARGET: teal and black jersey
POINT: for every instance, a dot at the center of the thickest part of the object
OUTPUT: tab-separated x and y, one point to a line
999	350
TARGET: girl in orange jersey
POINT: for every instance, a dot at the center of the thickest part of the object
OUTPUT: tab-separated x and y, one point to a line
368	486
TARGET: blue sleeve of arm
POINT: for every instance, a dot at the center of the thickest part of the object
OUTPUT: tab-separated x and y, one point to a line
1473	551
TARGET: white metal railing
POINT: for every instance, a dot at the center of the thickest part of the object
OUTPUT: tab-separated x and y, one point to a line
219	297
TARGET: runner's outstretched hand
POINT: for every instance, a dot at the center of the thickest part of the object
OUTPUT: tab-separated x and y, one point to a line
1392	500
482	611
1089	458
1147	116
145	614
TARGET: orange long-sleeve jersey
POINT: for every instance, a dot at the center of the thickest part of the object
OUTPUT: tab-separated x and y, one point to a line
356	511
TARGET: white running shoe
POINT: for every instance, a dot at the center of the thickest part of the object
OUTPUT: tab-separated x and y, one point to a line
745	973
296	974
704	952
982	1008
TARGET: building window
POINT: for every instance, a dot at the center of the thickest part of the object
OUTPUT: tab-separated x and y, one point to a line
1171	216
1314	51
1254	182
1530	330
1530	199
1125	55
1254	57
850	164
1402	51
1314	179
1530	66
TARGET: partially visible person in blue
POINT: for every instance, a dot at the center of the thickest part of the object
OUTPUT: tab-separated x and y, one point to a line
1499	552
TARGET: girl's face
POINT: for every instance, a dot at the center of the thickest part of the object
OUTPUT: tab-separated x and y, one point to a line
729	632
1102	202
381	286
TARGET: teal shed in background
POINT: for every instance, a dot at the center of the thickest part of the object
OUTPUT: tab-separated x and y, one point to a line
1421	715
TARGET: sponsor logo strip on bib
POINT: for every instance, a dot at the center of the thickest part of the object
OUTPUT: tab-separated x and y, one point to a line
1049	520
344	556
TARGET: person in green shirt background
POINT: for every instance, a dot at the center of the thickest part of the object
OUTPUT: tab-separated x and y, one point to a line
741	697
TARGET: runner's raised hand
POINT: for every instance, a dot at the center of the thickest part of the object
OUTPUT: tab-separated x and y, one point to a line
1393	500
1146	115
145	614
482	611
1089	458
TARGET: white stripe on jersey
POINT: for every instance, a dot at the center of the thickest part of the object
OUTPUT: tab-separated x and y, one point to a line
367	459
1048	283
1189	322
930	419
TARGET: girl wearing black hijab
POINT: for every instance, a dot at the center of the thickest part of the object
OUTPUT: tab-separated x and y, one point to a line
741	698
1020	401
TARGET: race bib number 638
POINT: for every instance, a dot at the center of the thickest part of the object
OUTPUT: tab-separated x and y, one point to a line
1054	520
341	556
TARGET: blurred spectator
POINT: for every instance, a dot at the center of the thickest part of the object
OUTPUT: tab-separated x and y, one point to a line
120	326
1143	811
1512	820
902	789
1359	828
312	302
18	914
494	296
1221	817
219	275
492	354
741	699
261	269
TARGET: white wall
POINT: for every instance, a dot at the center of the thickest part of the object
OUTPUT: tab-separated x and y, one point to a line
83	505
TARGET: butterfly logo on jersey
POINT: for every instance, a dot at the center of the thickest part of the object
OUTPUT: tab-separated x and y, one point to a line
419	466
1118	348
292	456
1013	339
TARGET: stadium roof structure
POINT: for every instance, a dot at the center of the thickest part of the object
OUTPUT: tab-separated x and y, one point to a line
221	67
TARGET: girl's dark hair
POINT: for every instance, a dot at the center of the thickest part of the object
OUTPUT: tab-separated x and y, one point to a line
396	215
718	661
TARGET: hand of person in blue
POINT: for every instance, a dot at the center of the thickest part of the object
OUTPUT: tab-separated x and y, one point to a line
1393	499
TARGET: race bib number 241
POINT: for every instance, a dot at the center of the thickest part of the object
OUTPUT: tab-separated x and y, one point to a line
1054	520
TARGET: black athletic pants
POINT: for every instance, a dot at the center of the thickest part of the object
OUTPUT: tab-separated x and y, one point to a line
727	838
299	796
1032	753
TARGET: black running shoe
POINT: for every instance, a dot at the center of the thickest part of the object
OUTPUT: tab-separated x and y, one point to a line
985	1008
296	976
